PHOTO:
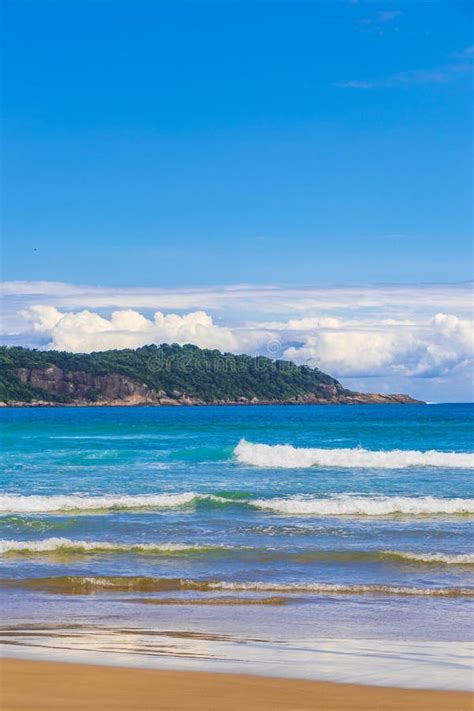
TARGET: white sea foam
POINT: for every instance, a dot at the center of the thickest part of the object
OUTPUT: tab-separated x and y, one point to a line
10	503
339	589
338	505
79	584
288	457
51	545
445	558
365	506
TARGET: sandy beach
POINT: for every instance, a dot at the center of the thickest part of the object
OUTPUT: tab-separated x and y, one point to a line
46	686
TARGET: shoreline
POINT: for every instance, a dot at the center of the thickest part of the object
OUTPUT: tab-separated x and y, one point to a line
46	686
44	404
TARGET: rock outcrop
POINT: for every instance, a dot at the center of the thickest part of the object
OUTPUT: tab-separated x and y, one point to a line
84	389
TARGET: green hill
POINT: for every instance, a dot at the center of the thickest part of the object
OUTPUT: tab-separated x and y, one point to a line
165	374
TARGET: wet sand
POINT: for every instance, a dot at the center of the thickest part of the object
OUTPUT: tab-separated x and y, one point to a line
51	686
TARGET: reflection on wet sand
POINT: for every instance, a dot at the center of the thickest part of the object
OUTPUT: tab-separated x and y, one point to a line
323	659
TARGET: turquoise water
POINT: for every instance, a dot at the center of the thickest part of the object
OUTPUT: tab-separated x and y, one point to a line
252	538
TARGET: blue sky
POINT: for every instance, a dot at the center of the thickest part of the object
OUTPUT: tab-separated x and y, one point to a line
181	145
220	139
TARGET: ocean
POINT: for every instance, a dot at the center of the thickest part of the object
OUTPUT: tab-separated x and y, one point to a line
321	542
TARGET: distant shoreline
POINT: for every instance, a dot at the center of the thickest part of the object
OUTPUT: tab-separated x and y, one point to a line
45	405
168	375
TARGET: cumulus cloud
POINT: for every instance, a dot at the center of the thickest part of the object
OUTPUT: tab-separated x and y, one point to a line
442	346
42	318
345	348
368	336
86	331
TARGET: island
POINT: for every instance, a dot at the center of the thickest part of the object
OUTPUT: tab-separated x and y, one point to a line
167	375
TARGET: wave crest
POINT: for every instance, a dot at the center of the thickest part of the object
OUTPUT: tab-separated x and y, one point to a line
10	503
343	505
337	505
68	545
78	585
288	457
443	558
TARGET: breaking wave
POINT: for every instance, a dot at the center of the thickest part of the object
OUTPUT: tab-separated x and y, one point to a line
344	505
337	505
78	585
444	558
10	503
68	545
288	457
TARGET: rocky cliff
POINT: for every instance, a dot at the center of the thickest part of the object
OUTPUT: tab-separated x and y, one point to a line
78	386
81	388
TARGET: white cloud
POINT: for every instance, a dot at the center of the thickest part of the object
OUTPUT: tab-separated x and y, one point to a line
395	300
86	331
352	353
344	348
42	318
309	323
443	346
450	348
396	336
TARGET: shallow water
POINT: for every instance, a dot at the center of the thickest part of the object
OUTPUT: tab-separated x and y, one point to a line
352	543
